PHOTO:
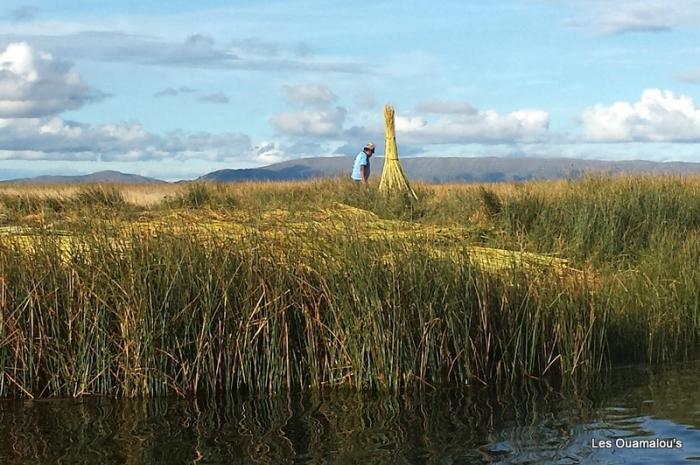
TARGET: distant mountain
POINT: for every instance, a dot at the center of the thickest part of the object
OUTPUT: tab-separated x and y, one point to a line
303	168
435	169
455	169
99	177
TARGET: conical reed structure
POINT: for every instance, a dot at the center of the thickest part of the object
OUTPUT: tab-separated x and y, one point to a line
393	178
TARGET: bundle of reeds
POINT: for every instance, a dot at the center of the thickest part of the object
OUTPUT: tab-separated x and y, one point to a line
393	177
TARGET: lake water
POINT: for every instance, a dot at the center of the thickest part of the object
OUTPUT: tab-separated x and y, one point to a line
533	424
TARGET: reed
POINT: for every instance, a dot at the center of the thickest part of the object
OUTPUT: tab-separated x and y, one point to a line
179	313
393	179
237	293
100	196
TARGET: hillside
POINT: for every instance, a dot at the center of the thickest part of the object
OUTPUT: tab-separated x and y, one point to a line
428	169
489	169
98	177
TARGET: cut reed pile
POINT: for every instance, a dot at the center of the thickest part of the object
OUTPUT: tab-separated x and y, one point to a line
394	180
283	226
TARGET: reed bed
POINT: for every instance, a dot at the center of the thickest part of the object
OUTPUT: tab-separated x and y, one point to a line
269	287
179	313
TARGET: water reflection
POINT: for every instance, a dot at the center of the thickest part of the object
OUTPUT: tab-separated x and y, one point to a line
532	424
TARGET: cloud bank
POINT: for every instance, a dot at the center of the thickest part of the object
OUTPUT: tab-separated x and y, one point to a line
310	94
659	116
34	84
469	125
57	139
196	51
608	17
35	88
323	122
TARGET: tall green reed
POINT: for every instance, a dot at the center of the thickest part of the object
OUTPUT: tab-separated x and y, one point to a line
177	313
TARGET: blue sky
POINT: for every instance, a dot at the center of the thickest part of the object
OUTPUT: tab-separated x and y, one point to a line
177	89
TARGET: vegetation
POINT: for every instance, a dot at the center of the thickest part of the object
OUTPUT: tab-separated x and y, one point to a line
262	287
393	178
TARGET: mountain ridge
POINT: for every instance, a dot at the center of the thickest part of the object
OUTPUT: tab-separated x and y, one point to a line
105	176
454	169
427	169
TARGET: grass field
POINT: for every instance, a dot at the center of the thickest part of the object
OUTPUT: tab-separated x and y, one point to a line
181	289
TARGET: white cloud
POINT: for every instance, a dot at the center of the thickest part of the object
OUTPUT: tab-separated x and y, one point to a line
659	116
620	16
320	119
310	94
35	88
485	127
269	152
417	132
459	122
320	122
57	139
194	52
33	84
56	136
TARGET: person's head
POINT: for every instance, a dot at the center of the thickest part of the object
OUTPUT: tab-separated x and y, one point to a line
369	149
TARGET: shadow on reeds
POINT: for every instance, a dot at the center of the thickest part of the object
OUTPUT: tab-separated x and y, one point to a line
15	206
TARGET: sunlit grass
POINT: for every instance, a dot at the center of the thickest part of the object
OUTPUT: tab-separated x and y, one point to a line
273	286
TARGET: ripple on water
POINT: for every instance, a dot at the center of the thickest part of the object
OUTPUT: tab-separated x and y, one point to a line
534	425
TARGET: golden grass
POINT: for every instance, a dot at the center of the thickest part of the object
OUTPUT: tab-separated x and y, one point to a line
283	227
149	194
145	195
272	285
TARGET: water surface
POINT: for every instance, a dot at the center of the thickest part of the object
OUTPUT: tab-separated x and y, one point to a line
536	423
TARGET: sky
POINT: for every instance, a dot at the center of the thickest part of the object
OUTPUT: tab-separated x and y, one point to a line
176	89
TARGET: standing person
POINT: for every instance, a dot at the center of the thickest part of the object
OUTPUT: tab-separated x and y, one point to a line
360	170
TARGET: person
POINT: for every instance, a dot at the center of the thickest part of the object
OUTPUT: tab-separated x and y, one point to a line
360	170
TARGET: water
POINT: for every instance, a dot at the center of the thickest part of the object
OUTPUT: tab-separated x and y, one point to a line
533	424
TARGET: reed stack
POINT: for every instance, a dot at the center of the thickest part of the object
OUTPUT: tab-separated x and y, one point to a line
394	179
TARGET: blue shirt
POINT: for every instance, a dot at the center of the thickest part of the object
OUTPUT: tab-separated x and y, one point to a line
360	160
